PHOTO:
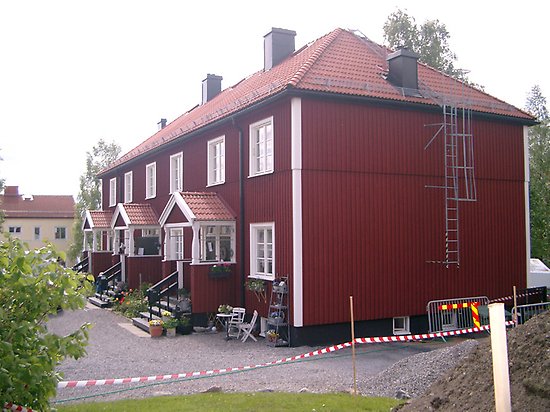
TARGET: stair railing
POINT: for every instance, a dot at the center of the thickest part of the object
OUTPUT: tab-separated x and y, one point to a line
82	266
164	288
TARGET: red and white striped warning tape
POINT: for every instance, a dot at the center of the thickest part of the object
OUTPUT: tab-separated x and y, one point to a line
329	349
522	295
8	406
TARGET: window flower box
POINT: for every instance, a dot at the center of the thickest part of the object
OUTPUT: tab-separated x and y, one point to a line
218	271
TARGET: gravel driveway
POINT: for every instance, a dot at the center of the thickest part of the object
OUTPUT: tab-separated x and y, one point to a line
117	349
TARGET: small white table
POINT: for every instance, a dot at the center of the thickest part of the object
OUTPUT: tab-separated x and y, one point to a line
225	318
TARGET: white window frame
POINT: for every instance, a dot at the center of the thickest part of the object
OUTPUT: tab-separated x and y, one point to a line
151	180
35	234
263	150
255	229
401	325
128	187
112	191
216	232
14	229
176	172
216	161
55	230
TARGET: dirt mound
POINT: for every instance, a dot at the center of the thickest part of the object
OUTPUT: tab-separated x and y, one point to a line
469	387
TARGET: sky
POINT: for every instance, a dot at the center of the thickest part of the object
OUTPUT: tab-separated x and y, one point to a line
73	72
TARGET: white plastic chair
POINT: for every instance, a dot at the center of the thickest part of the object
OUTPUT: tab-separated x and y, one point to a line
235	321
247	327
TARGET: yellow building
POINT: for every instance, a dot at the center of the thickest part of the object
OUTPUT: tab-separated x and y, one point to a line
38	219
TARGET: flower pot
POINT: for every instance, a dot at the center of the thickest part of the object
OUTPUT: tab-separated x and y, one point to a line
155	331
171	332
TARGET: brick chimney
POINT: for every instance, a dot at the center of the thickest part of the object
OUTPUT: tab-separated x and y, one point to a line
278	45
403	69
211	87
11	191
162	124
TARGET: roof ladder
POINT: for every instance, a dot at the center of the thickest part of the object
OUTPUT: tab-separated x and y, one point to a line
459	177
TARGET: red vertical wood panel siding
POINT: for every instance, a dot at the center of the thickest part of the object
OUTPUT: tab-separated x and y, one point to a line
148	269
101	262
370	224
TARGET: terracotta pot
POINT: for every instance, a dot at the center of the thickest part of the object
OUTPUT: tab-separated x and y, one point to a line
155	331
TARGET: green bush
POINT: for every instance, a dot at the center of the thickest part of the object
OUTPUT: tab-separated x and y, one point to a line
132	303
33	286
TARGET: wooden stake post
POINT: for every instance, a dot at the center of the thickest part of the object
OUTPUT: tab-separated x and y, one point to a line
353	346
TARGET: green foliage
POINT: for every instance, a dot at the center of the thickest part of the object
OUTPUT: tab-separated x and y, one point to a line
264	401
539	170
33	286
89	197
132	303
430	41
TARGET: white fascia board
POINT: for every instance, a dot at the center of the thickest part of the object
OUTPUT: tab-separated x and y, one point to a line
526	194
297	240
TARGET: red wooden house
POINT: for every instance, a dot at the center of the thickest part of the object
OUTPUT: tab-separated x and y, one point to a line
344	166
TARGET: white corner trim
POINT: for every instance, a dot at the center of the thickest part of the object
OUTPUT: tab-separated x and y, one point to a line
296	165
527	207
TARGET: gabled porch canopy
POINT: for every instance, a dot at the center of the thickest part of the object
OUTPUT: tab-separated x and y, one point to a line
131	217
97	222
211	220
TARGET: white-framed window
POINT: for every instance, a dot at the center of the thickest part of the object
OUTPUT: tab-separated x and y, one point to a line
175	243
262	251
37	233
401	325
176	172
128	187
112	192
217	243
150	232
150	180
60	233
14	229
261	147
216	161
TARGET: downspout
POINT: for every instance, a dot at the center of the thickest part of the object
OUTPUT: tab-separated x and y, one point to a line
241	211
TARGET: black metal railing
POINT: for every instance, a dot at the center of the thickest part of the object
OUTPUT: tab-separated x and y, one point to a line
82	266
114	273
166	288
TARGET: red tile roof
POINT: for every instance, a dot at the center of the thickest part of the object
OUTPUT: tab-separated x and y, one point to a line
141	214
340	62
101	218
39	206
207	206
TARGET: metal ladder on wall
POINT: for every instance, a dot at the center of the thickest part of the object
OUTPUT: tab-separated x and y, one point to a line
459	174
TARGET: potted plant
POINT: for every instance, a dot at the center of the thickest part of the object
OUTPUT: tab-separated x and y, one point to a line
156	327
257	286
170	325
166	315
185	327
220	270
271	336
225	309
280	286
277	318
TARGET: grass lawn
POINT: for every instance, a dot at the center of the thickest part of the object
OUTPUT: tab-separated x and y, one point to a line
264	401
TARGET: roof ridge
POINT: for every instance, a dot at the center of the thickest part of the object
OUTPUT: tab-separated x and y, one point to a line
326	41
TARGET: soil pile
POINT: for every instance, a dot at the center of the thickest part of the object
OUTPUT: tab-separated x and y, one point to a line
469	387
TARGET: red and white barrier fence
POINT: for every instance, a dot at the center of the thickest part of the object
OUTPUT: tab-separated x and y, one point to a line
8	406
329	349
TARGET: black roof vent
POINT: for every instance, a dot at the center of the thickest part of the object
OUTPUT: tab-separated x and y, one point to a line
211	87
403	69
278	45
162	124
